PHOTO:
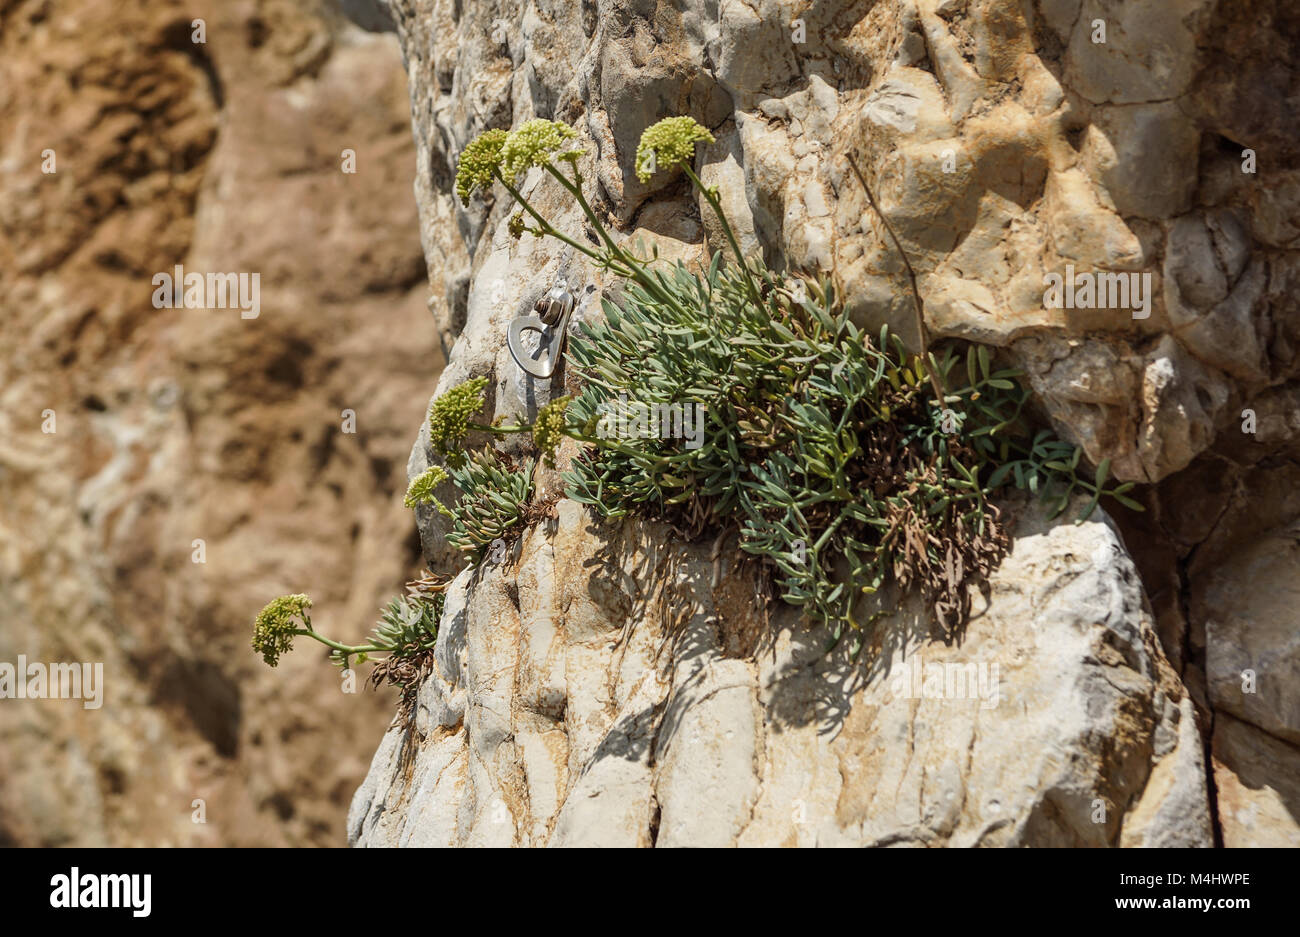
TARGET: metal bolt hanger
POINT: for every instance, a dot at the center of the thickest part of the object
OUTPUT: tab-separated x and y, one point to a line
550	320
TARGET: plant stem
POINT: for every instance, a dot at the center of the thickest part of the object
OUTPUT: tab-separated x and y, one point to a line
546	226
603	443
716	205
518	428
576	191
341	648
635	268
911	276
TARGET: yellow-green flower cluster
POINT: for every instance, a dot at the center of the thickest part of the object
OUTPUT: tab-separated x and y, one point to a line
477	163
535	143
516	225
273	631
449	414
668	143
422	486
549	428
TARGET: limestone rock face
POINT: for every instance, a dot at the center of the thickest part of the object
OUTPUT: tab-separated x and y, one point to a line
1005	141
596	689
1257	786
1143	148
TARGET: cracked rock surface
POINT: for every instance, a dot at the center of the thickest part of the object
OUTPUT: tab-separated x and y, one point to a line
596	689
1003	141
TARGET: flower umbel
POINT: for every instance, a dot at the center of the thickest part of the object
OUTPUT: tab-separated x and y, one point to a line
477	163
535	143
668	143
422	486
449	414
549	428
276	625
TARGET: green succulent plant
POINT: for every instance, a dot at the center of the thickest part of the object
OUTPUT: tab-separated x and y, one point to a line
826	447
846	461
492	501
407	627
409	623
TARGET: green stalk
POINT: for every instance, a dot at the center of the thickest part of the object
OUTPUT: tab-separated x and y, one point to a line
341	648
518	428
918	303
716	205
545	225
575	189
634	266
605	444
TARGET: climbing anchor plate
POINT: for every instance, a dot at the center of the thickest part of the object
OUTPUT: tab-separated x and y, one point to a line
551	321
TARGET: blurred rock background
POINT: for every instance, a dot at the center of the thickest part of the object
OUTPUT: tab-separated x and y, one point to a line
178	425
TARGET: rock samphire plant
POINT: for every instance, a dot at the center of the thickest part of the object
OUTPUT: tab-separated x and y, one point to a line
844	461
406	633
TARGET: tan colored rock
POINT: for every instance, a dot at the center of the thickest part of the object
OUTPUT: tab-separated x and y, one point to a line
1257	781
186	424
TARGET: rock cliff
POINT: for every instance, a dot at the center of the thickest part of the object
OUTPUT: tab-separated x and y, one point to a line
597	689
618	686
